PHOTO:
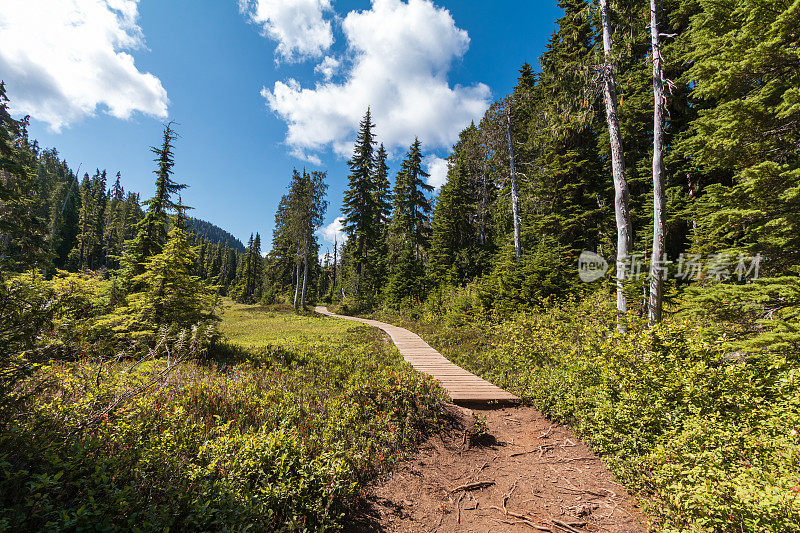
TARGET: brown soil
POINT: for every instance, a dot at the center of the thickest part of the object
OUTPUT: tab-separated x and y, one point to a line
528	474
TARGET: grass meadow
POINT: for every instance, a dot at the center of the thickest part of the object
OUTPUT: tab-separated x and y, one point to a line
278	425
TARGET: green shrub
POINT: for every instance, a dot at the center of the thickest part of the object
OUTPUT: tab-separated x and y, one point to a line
269	297
277	437
708	437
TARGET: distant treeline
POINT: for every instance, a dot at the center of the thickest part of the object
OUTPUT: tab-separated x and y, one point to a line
213	233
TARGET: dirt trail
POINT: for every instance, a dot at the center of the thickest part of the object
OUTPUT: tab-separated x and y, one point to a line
544	477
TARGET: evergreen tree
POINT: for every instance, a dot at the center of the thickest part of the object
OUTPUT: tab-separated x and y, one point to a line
453	243
411	209
409	230
89	251
203	250
23	211
382	194
382	198
470	155
112	241
152	229
360	212
170	294
302	210
244	273
744	69
228	267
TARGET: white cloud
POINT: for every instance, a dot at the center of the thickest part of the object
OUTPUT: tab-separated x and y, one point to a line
399	55
437	168
328	67
62	59
306	156
297	25
332	233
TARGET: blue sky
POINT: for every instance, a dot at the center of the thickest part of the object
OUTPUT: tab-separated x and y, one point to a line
257	87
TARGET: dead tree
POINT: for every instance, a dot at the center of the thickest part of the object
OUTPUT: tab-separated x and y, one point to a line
514	191
656	259
624	231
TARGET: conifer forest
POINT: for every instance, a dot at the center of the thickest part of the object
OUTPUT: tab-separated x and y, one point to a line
616	244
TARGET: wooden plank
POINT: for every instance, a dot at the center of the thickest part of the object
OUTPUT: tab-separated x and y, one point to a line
462	386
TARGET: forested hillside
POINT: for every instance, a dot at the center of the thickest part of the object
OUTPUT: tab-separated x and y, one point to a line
213	233
617	243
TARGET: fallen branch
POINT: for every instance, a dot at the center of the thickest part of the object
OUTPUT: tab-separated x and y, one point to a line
522	453
523	519
529	521
481	469
565	526
477	485
518	522
507	496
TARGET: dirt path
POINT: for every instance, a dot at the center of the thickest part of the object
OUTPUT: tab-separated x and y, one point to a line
521	472
546	479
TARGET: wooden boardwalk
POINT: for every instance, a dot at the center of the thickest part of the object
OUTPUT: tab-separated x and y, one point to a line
463	387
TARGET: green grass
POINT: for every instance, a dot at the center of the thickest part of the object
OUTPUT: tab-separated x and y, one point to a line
256	327
278	427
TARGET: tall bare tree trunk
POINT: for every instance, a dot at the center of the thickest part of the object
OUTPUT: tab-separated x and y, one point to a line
335	260
484	193
624	231
514	192
656	259
305	283
297	288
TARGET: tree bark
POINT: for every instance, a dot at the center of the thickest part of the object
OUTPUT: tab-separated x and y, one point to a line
335	260
514	192
305	282
484	193
297	287
624	231
656	259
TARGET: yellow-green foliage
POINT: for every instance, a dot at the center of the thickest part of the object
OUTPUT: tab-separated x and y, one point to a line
275	430
708	437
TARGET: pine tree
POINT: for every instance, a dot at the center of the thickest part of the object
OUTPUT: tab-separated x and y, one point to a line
90	249
170	294
23	212
453	244
744	68
200	268
152	229
255	283
469	154
382	198
409	231
382	194
228	268
360	212
411	209
300	213
112	240
244	272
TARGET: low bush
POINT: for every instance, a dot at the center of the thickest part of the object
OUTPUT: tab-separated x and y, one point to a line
275	436
708	437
